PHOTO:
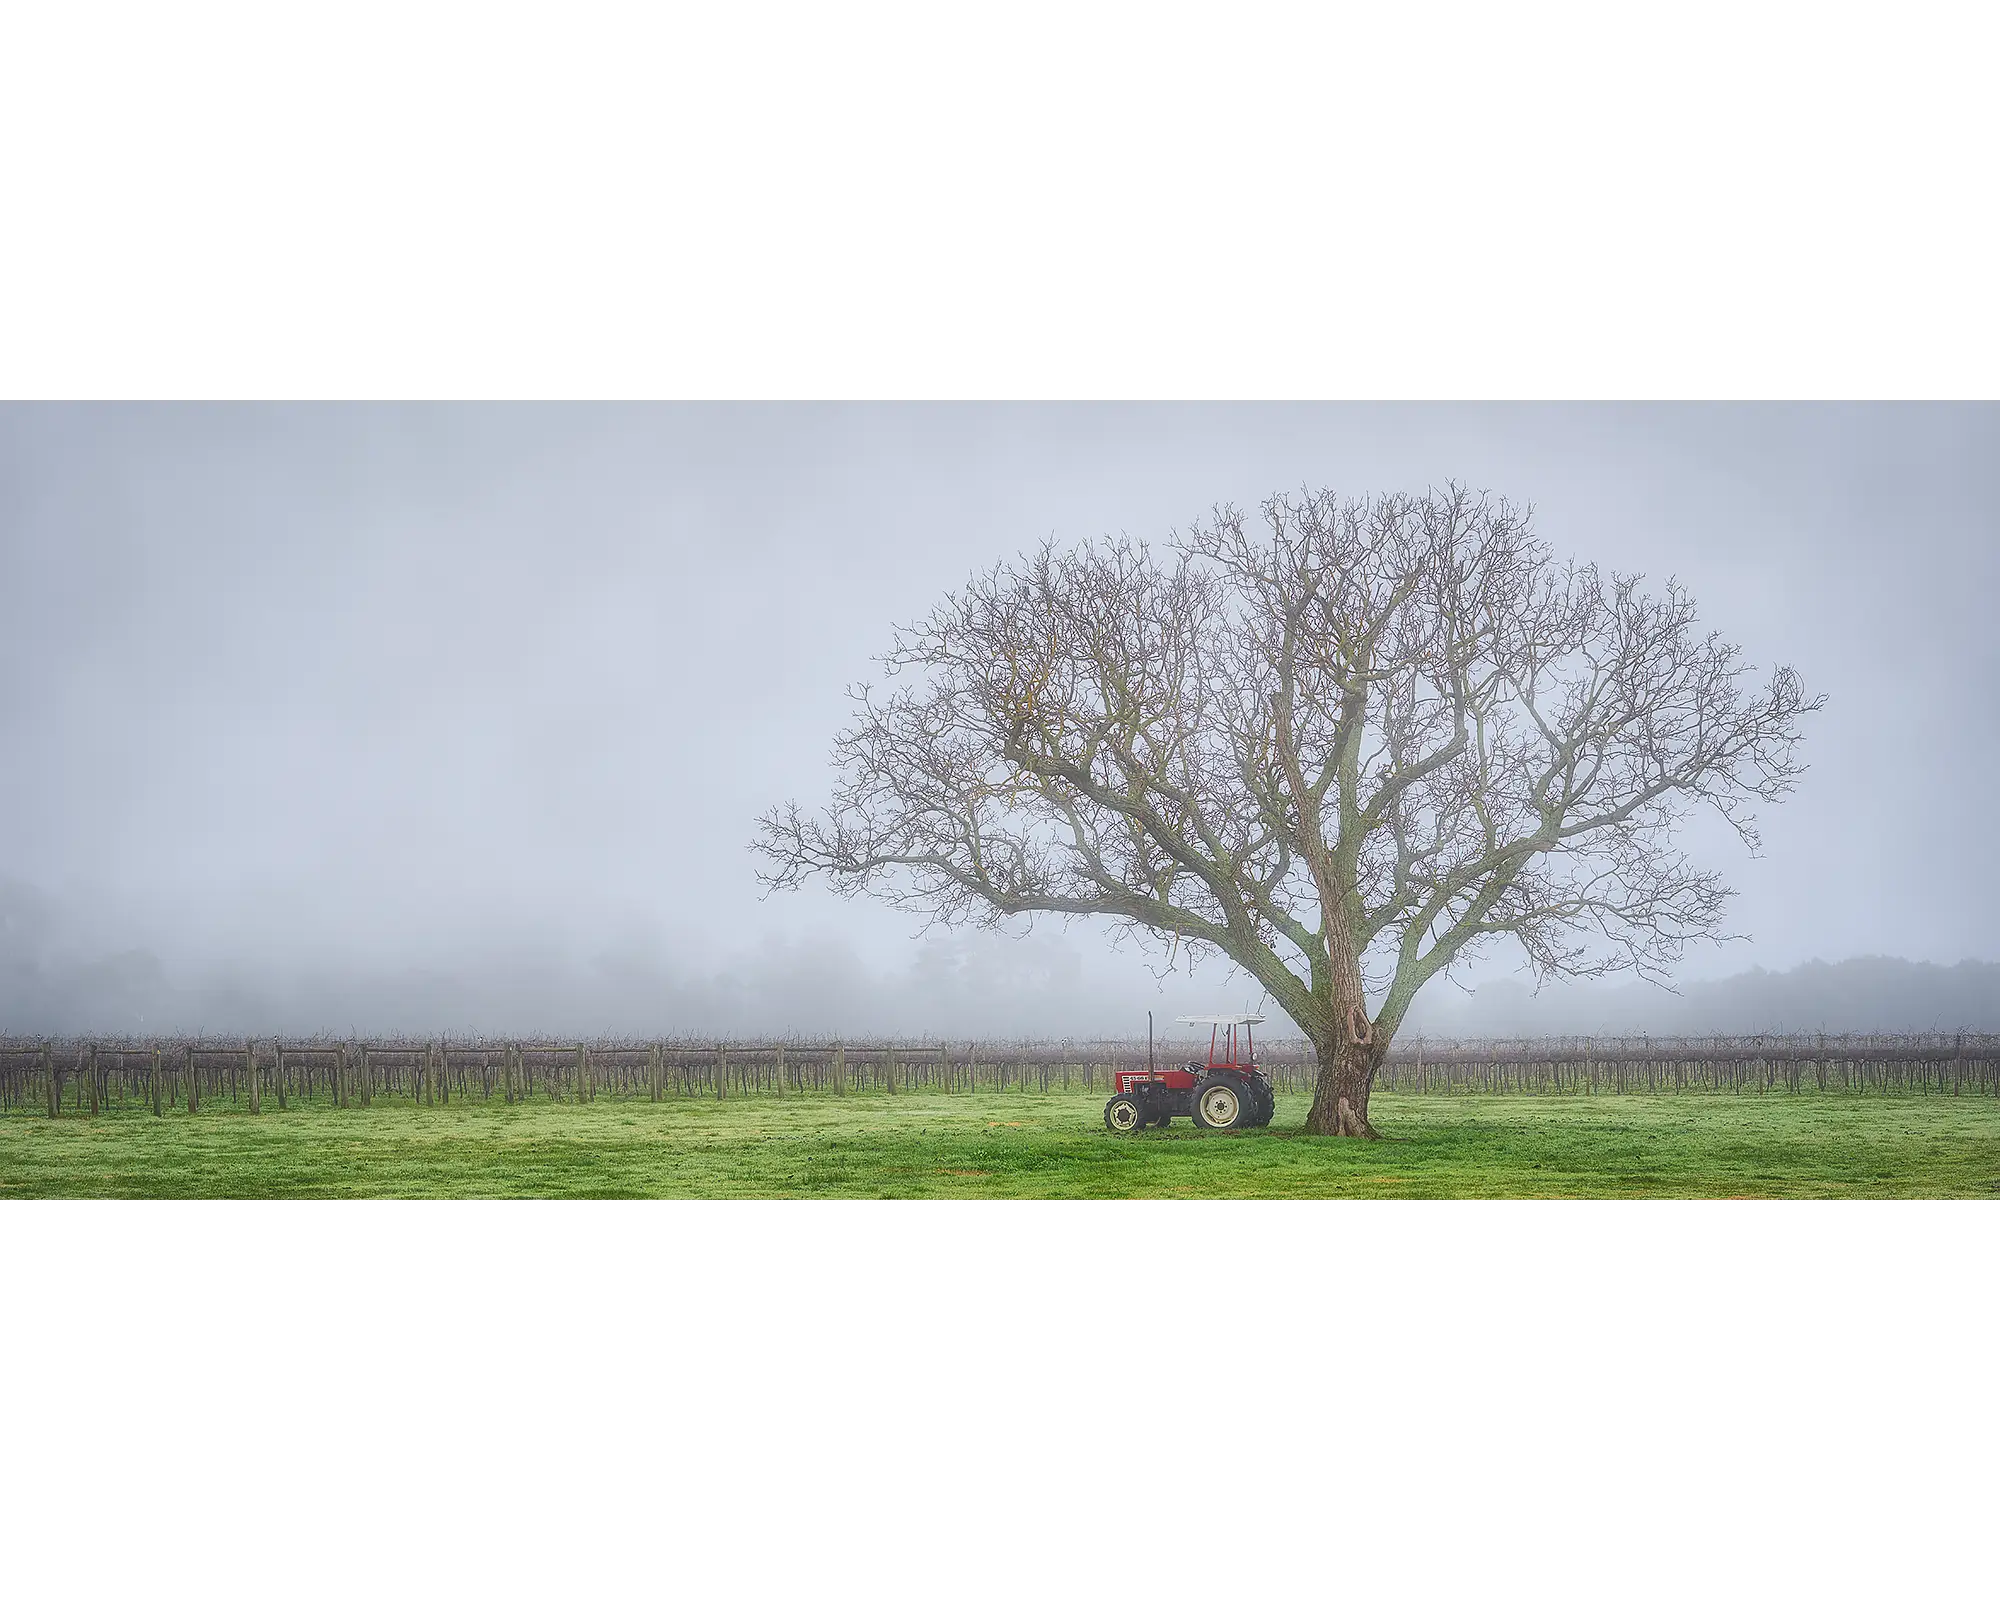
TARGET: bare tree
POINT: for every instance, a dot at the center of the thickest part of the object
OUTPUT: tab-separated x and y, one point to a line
1345	746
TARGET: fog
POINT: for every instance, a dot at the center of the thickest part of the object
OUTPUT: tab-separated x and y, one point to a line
460	716
952	987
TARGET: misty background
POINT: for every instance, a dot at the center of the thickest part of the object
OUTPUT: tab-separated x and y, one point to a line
459	717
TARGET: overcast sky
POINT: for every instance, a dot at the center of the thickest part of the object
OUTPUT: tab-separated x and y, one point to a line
436	702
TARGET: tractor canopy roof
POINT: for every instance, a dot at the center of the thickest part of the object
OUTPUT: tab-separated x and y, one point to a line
1222	1021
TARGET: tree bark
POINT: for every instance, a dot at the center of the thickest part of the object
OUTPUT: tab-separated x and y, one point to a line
1340	1095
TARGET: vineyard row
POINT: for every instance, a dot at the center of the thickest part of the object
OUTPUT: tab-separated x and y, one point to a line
71	1076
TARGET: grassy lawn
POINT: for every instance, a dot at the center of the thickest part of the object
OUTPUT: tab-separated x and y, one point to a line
1006	1145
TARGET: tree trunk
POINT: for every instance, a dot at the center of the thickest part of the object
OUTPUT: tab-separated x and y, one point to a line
1340	1096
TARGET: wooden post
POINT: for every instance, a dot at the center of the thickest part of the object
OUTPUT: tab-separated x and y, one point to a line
889	1068
89	1053
781	1072
839	1068
585	1088
278	1069
653	1071
340	1074
250	1068
721	1071
156	1080
51	1079
193	1088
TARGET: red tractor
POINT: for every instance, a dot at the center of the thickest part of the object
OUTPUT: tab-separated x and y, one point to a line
1226	1091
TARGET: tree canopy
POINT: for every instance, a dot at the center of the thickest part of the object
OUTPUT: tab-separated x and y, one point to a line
1345	743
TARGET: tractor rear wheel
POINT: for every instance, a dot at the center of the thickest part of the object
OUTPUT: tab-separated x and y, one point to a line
1122	1114
1266	1105
1220	1104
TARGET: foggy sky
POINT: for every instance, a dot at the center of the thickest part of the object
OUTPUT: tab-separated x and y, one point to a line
324	713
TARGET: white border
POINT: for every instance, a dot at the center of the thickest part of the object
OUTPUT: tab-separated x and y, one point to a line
1050	200
983	1399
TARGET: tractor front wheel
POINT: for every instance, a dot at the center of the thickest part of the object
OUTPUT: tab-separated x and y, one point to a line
1122	1114
1220	1104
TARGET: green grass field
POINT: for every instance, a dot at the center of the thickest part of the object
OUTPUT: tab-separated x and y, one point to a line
1020	1145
